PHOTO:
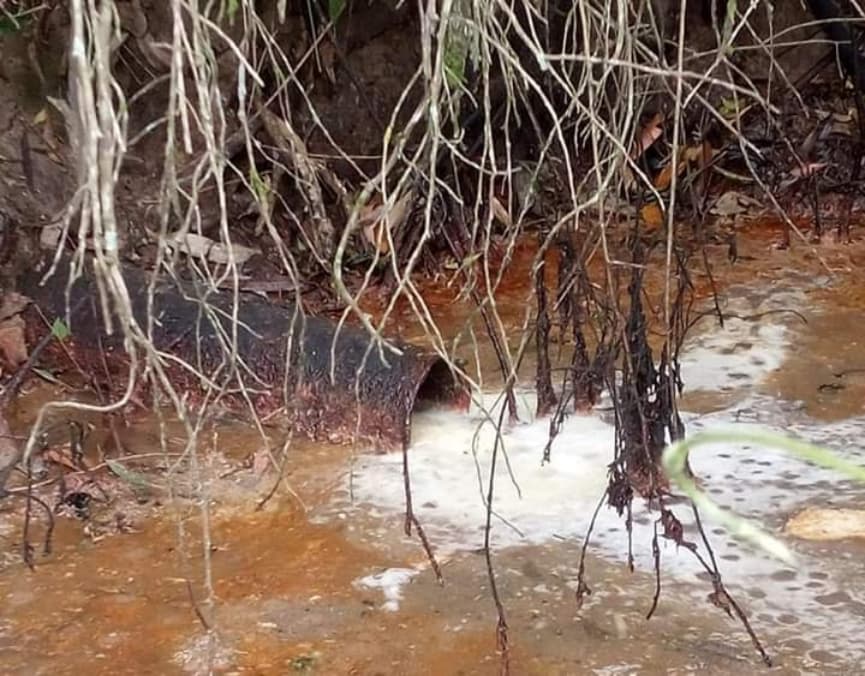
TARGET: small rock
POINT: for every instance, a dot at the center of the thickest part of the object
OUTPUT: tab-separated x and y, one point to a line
825	524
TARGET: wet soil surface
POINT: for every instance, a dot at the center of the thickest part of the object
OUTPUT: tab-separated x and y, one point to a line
291	597
176	569
322	579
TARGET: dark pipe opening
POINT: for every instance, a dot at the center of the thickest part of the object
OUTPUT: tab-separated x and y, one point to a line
441	387
323	402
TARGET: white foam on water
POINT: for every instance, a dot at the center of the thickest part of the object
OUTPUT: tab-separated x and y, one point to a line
751	344
450	461
738	355
449	466
536	502
390	582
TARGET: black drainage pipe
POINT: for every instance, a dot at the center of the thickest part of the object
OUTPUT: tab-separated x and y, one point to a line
283	358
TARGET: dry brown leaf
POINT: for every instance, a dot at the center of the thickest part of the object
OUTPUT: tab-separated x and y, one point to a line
260	461
371	211
733	203
628	177
844	124
49	236
706	156
501	213
375	235
371	225
61	456
397	215
649	133
376	221
664	178
687	155
208	249
12	304
693	153
652	215
808	169
13	347
290	142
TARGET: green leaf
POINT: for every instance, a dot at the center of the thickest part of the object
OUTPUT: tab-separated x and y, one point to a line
233	6
460	44
260	186
11	23
456	52
454	67
135	479
335	9
47	375
727	107
304	663
228	8
59	329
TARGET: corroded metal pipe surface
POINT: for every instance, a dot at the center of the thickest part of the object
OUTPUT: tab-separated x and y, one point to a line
283	358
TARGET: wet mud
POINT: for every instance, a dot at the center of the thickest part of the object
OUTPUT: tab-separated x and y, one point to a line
323	579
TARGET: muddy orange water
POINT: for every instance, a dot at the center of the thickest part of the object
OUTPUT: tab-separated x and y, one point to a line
305	585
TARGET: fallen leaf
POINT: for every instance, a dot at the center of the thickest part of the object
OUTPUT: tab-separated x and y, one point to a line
47	376
13	347
12	304
375	235
649	133
687	155
260	461
500	212
399	212
376	220
665	177
135	479
810	141
844	124
61	457
693	153
198	246
732	203
49	236
808	169
369	222
652	215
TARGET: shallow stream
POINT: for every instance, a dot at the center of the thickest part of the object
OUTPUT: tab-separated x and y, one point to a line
324	580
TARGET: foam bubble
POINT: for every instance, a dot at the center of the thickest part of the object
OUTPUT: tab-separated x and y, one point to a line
450	463
755	351
390	582
751	344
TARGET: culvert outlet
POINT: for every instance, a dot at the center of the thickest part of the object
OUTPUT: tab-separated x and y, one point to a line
282	359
